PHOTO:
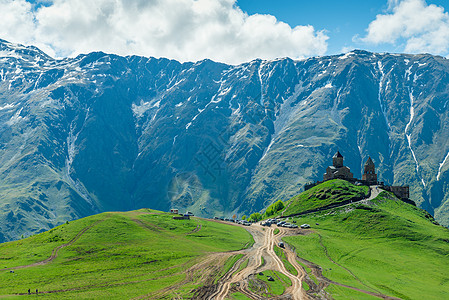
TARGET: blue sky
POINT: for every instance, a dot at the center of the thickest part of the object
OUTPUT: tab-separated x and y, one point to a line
230	31
342	20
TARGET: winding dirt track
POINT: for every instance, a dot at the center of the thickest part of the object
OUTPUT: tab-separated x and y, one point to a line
55	251
265	241
237	278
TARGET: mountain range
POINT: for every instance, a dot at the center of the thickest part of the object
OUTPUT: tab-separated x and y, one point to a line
102	132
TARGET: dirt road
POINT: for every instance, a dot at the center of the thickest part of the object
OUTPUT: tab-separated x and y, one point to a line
55	251
265	241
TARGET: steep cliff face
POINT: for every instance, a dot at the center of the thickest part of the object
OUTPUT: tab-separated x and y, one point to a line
103	132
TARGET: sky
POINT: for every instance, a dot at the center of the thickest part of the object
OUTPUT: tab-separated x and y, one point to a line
229	31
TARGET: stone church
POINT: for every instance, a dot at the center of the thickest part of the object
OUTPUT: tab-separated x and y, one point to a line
338	170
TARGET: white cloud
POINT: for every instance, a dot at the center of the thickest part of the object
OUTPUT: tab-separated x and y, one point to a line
414	25
16	19
186	30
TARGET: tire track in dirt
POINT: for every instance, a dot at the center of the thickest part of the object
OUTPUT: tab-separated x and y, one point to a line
296	288
145	225
223	289
265	242
198	228
55	251
254	256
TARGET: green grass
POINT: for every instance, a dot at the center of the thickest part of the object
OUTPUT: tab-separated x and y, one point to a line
40	246
238	296
343	293
276	231
281	254
230	262
314	279
390	247
305	286
329	192
274	288
124	256
242	266
306	268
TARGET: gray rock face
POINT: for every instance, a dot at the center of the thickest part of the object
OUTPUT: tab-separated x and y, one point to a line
102	132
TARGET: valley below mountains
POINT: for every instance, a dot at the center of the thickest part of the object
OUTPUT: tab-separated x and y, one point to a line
101	132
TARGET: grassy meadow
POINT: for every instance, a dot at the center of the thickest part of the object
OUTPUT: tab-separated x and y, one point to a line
123	255
386	246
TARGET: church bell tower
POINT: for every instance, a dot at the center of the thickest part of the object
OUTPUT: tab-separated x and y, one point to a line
369	172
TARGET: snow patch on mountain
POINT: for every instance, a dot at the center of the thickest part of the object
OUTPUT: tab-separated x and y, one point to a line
72	151
266	150
177	83
16	118
259	72
412	115
408	72
347	55
328	85
7	106
143	107
9	54
441	166
379	94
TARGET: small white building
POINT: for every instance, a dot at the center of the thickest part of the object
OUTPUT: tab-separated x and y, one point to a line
174	211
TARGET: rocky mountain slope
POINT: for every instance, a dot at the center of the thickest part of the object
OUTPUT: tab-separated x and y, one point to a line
103	132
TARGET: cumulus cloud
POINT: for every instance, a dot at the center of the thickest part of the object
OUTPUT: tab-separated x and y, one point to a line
186	30
413	24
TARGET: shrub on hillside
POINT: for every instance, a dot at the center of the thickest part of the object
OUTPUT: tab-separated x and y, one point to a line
255	217
274	208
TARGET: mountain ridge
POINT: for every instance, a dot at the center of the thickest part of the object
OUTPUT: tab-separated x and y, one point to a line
102	132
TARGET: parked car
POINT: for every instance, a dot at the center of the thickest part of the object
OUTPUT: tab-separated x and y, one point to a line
305	226
281	244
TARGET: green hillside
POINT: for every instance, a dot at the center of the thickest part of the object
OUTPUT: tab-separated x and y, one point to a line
383	246
326	193
116	256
